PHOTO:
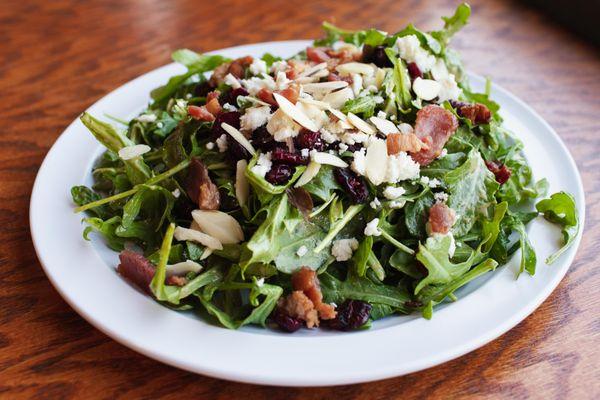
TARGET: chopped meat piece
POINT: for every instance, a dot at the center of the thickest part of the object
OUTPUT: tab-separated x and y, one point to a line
477	113
214	107
200	113
441	218
434	126
335	77
291	92
212	95
137	269
298	305
344	55
397	142
317	54
500	171
306	280
200	188
218	75
176	280
267	96
235	68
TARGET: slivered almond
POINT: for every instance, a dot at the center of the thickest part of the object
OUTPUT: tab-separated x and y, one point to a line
129	152
376	161
219	225
182	268
242	188
324	87
295	113
384	126
311	70
311	101
397	142
360	124
355	68
207	252
326	158
239	137
338	98
183	234
309	173
426	89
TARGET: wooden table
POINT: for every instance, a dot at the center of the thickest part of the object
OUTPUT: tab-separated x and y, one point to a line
59	57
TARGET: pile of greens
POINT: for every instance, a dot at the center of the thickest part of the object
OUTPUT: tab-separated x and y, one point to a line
138	202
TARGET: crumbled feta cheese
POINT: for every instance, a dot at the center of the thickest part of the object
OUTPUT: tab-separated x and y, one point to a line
354	138
258	67
255	84
304	152
146	118
396	204
439	236
327	136
371	229
381	114
263	164
282	82
392	192
409	48
278	66
210	145
401	167
441	197
432	183
222	143
375	203
342	147
188	96
449	89
302	250
342	249
232	81
260	282
359	163
254	117
378	99
176	193
229	107
282	126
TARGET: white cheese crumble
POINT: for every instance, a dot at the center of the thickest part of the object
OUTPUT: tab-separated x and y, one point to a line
432	183
210	145
441	197
375	203
342	147
258	67
359	163
371	229
409	48
146	118
159	124
401	167
302	250
449	89
255	84
263	164
392	192
282	81
439	236
222	143
305	152
327	136
260	282
397	204
232	81
229	107
282	126
342	249
176	193
254	117
279	66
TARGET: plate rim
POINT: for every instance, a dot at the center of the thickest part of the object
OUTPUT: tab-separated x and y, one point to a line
365	376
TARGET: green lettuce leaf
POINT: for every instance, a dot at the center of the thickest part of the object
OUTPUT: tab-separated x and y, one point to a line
561	209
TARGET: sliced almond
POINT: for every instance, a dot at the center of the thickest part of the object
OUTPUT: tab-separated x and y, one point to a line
183	234
324	86
311	101
130	152
182	268
219	225
207	252
426	89
310	172
242	188
339	98
321	74
379	77
355	68
326	158
360	124
239	137
305	80
384	126
376	161
294	112
342	118
315	68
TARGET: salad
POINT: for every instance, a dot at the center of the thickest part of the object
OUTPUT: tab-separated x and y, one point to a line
360	178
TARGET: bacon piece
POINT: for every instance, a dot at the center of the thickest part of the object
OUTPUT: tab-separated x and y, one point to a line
212	95
434	126
175	280
291	92
477	113
344	55
200	188
501	171
397	142
214	107
441	218
317	54
306	281
137	269
235	68
298	305
267	96
335	77
200	113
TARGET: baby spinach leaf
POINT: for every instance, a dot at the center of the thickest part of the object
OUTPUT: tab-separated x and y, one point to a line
561	209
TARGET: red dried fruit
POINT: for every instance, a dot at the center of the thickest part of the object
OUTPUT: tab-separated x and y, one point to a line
377	56
231	117
285	322
280	174
310	140
501	171
200	188
283	156
263	140
352	314
414	71
354	185
441	218
434	126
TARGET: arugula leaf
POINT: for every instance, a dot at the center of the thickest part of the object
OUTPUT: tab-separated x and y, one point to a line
490	229
454	23
364	105
107	230
471	187
561	209
82	195
401	80
323	185
360	257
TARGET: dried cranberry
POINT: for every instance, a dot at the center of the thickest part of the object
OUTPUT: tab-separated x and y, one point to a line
280	174
202	89
377	56
232	118
263	140
500	171
231	96
352	314
353	184
285	322
414	71
284	156
310	140
236	151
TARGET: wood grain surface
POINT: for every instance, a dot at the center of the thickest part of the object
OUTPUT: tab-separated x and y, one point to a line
59	57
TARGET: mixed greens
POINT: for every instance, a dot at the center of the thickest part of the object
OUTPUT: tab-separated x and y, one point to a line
358	179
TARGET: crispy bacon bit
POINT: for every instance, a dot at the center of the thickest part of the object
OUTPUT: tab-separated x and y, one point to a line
500	171
176	280
267	96
298	305
335	77
200	113
434	126
212	95
306	281
441	218
136	268
291	92
214	107
235	68
344	55
200	188
397	142
477	113
317	54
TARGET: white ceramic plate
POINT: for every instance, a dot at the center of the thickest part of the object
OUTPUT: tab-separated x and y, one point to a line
83	272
